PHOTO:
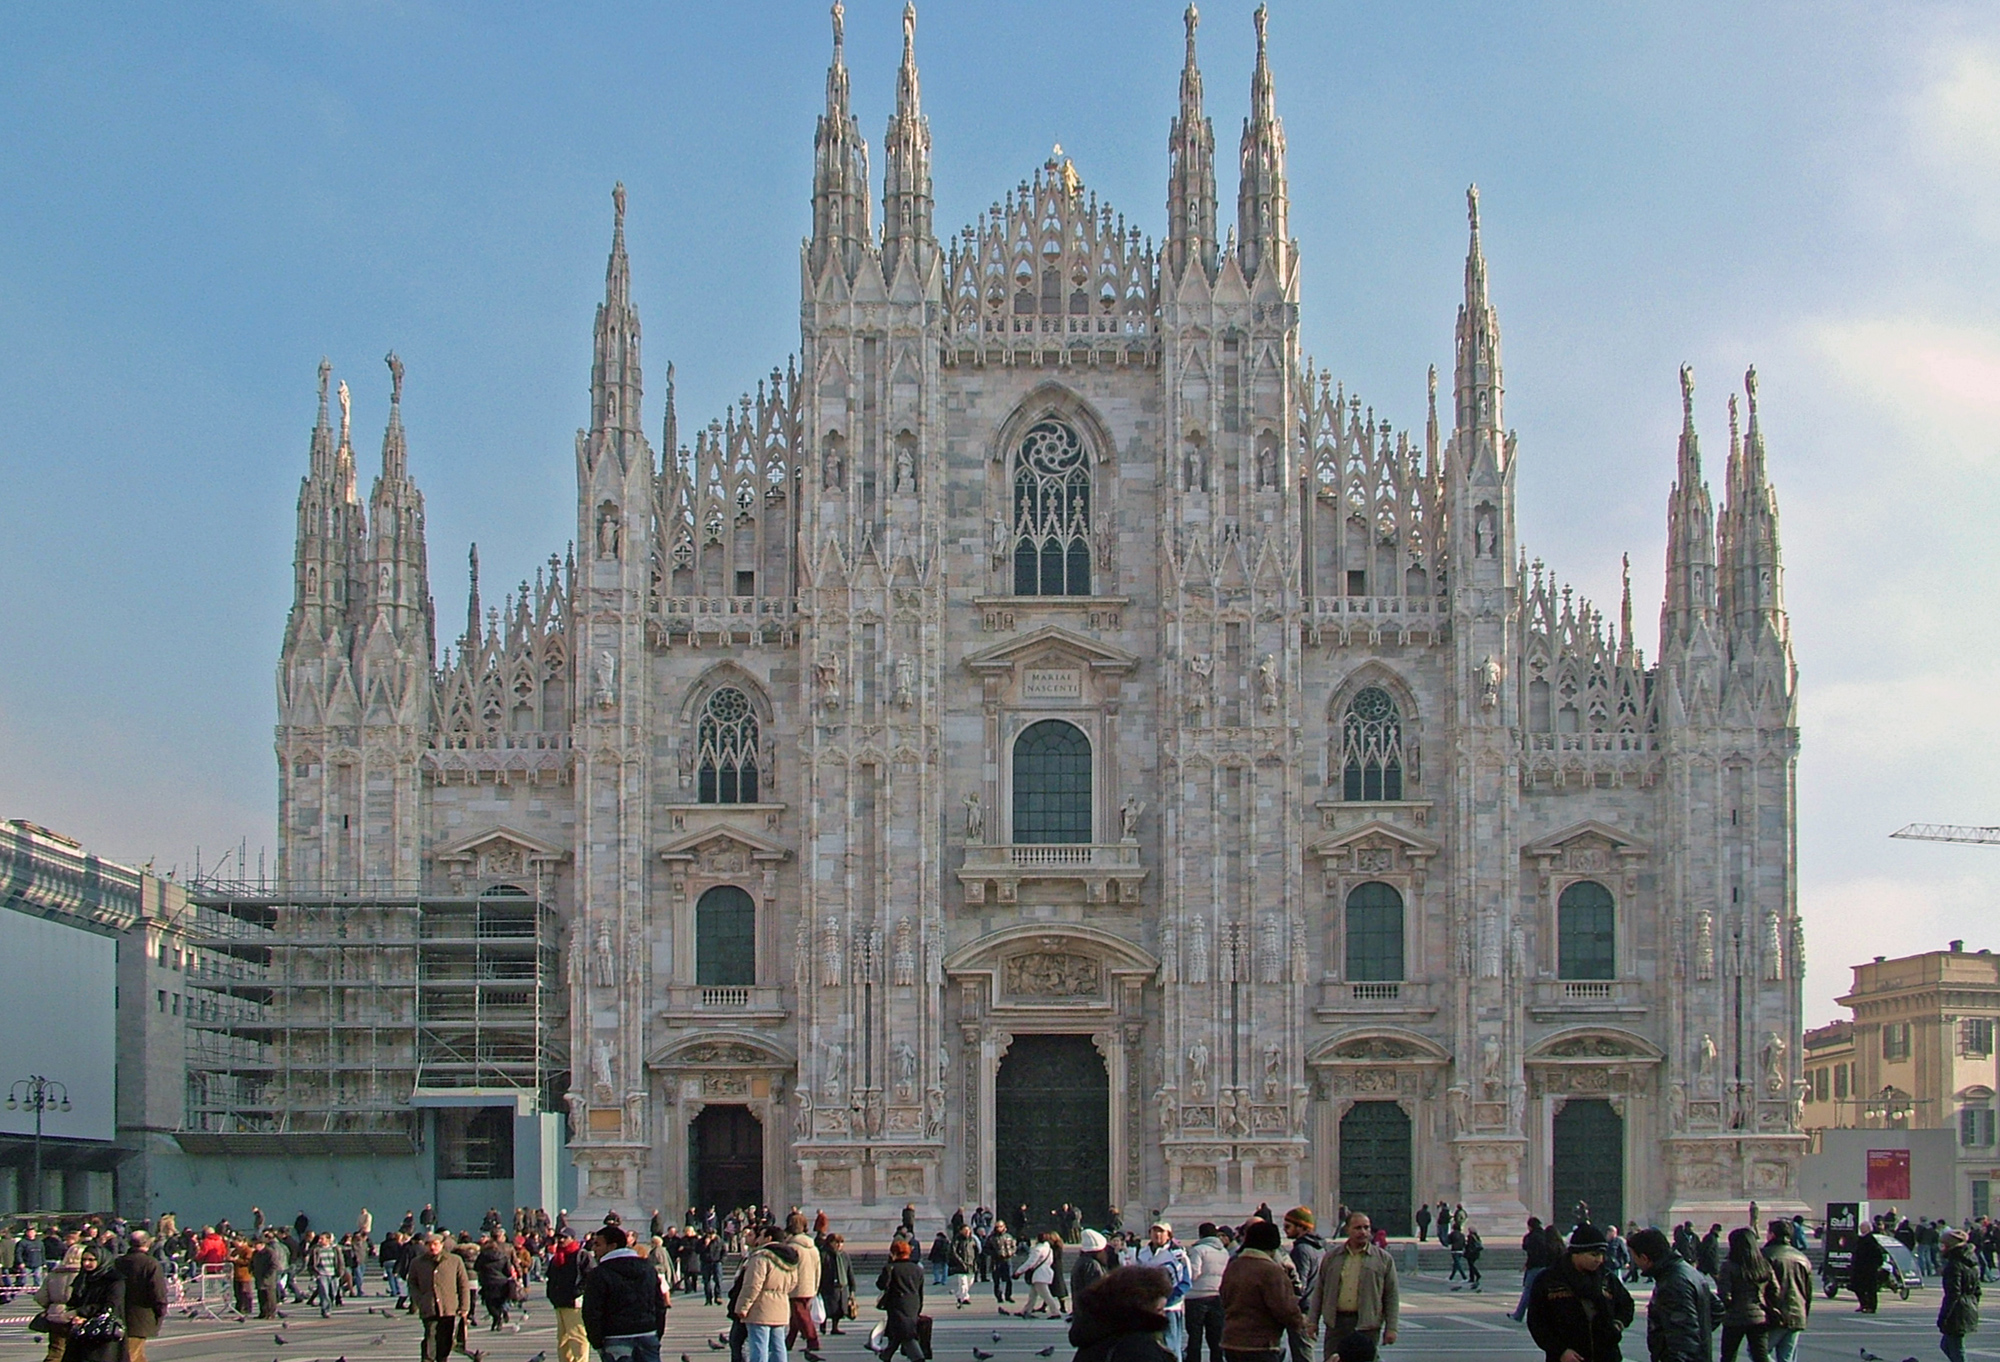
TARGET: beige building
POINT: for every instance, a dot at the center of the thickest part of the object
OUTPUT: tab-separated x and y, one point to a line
1918	1055
1053	742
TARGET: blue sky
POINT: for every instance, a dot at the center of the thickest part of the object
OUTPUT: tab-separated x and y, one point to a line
197	202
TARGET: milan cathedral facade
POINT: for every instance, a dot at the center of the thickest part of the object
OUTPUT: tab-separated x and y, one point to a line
1053	743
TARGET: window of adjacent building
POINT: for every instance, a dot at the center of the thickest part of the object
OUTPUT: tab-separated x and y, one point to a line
726	749
1052	784
1840	1088
1374	933
1051	512
1819	1085
1371	740
475	1142
1975	1037
725	938
1975	1127
1584	932
1895	1040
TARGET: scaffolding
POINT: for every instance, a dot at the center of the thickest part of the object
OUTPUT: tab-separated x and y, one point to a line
321	1020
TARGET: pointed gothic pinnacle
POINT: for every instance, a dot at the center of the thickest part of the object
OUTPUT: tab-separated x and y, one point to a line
325	372
909	32
395	381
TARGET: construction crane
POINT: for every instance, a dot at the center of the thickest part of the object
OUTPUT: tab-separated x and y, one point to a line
1948	832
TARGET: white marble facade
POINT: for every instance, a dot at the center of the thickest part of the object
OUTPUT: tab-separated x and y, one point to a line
1301	651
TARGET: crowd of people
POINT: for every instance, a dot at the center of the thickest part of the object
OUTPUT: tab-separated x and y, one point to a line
1266	1289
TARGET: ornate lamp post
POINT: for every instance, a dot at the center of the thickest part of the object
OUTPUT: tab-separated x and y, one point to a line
37	1094
1888	1106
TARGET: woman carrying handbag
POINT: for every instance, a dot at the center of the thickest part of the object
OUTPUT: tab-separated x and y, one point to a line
52	1296
97	1305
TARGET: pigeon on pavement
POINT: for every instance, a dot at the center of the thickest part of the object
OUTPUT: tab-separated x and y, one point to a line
981	1355
1046	1352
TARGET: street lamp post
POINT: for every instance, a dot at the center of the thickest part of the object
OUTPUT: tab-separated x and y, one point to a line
37	1094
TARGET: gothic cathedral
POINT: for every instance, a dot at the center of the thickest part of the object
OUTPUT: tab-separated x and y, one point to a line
1051	744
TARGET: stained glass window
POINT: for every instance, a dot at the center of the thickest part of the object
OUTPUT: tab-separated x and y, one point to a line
725	938
1374	933
1371	741
1052	784
1584	932
726	749
1051	513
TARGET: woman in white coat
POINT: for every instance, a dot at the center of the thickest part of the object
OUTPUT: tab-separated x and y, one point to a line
1043	1269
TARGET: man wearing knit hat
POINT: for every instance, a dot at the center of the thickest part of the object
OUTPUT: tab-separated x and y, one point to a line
1356	1290
1259	1307
1577	1310
1304	1254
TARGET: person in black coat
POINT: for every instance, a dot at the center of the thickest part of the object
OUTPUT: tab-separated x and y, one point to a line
97	1290
902	1286
621	1295
1680	1318
1958	1312
1120	1317
1577	1308
1864	1273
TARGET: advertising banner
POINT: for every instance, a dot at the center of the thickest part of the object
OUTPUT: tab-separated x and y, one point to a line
1888	1175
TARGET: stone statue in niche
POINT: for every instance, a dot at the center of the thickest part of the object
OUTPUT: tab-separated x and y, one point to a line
1484	533
604	679
1267	683
1274	1071
802	1121
1489	682
1267	466
1489	1066
975	820
906	682
1003	540
826	674
906	467
1677	1106
610	530
1773	1054
833	470
604	1089
906	1071
836	1071
1197	468
1704	1053
604	961
1198	1068
1128	818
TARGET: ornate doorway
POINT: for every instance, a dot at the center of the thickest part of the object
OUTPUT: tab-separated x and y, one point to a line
1052	1130
1375	1164
1589	1161
726	1159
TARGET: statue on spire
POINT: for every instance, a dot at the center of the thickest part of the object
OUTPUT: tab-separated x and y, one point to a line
1472	205
1687	391
839	25
618	201
909	27
346	411
395	378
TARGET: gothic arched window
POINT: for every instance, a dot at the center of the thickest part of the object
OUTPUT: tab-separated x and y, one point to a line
1374	933
1585	929
1371	747
725	938
1052	783
1051	512
726	749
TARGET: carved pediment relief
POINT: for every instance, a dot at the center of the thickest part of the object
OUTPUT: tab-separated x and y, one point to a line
1379	1048
1052	972
1586	848
1592	1047
725	1051
498	852
1053	646
722	851
1375	848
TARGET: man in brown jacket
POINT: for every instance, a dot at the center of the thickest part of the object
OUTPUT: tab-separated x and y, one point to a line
441	1296
1356	1292
145	1295
1258	1302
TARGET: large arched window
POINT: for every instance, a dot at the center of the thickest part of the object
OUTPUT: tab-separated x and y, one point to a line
1584	933
725	938
1051	512
726	749
1052	784
1371	747
1374	933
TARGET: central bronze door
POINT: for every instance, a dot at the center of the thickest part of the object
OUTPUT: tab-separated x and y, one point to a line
1588	1162
1375	1164
1052	1132
725	1159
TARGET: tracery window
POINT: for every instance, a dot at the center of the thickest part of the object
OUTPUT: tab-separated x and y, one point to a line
1051	512
726	749
1371	742
725	938
1585	932
1374	935
1052	783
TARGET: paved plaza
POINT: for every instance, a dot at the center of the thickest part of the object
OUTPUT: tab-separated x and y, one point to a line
1437	1324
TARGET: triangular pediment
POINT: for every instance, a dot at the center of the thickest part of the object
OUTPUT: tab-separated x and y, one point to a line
708	842
1097	656
1557	842
1375	832
467	848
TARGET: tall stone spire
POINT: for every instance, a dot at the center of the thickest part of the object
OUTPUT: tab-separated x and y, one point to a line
1191	172
1478	388
330	551
906	172
1751	589
1689	611
615	381
470	643
840	172
1263	207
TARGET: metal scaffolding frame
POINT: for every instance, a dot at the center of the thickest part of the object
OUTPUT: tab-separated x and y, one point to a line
320	1017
